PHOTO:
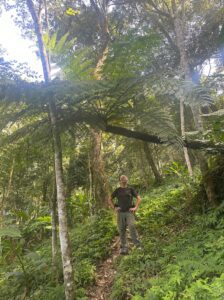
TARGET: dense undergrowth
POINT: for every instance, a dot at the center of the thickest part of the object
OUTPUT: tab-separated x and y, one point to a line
31	273
183	255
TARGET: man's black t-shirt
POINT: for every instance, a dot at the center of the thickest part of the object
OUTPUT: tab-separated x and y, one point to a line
124	197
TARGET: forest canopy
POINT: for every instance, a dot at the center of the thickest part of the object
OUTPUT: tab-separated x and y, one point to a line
128	87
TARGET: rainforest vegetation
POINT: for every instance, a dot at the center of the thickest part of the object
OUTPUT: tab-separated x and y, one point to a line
128	87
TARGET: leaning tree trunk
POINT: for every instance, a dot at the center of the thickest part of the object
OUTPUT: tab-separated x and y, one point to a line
151	162
62	214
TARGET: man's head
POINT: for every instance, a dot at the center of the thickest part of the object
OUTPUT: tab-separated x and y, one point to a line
123	180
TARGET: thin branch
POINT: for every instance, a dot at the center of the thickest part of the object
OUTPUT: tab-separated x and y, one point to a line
166	34
167	6
158	11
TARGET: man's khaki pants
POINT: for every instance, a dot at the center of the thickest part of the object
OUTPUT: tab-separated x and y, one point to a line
124	220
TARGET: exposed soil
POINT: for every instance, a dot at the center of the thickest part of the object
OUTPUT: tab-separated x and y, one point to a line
105	275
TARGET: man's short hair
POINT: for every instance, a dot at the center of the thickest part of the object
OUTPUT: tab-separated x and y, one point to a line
123	178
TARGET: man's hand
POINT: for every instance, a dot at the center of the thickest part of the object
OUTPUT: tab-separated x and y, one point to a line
133	209
117	208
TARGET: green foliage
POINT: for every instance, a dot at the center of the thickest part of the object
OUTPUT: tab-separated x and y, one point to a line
183	256
94	236
31	269
157	212
131	54
75	64
78	206
12	232
190	184
183	253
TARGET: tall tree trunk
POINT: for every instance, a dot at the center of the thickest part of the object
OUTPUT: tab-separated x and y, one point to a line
183	134
62	213
90	201
179	24
158	160
105	35
99	178
208	181
150	159
2	200
145	174
179	30
54	233
10	179
44	190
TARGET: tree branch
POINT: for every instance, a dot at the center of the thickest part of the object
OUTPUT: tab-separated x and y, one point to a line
196	144
134	134
166	34
158	11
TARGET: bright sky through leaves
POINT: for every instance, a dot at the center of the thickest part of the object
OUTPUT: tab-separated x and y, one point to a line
24	50
18	48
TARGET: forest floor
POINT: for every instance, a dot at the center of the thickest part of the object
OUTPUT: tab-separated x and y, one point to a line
105	275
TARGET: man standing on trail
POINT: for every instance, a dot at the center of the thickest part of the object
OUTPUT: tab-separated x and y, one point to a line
125	212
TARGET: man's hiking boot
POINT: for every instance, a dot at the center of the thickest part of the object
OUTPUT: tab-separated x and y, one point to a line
138	247
124	251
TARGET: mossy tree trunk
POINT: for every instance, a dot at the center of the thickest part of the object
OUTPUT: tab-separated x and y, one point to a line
100	184
99	179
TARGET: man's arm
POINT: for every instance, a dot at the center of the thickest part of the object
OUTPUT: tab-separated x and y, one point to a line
111	203
138	201
110	200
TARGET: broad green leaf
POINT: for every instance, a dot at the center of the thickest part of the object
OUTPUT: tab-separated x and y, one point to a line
10	232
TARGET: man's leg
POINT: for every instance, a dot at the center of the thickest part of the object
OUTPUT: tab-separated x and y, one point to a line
132	229
121	222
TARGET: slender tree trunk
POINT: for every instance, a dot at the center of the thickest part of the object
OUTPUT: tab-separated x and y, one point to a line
10	179
158	161
2	200
4	197
179	30
54	233
150	159
62	214
90	187
183	134
44	190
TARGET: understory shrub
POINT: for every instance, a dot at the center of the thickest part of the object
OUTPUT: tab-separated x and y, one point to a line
183	255
31	272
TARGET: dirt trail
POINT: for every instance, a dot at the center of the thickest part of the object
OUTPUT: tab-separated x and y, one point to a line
105	275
